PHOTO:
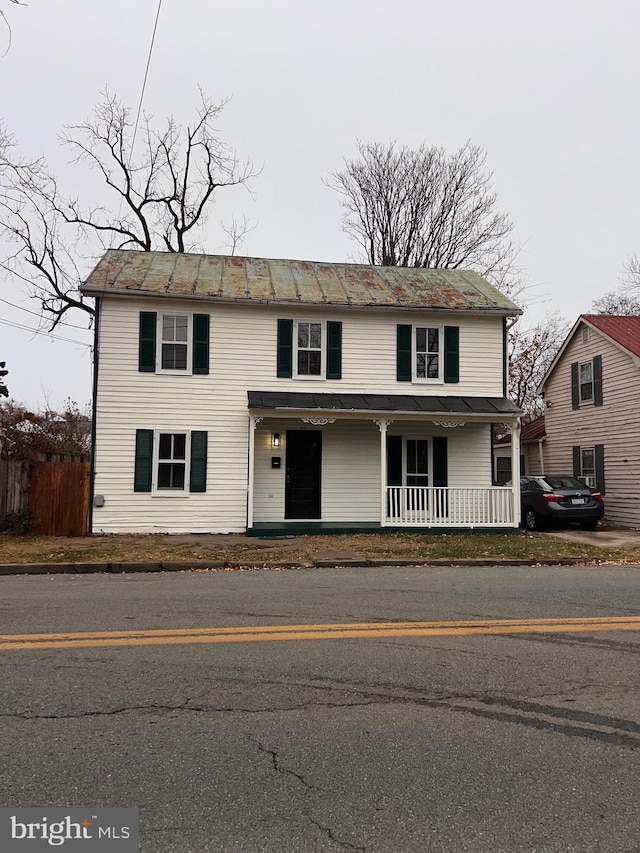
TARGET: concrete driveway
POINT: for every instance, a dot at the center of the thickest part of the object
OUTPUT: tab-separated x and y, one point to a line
606	536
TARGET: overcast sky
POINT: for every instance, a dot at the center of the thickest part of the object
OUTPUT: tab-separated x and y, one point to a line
548	87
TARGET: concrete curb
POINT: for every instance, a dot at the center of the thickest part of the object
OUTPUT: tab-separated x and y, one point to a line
217	565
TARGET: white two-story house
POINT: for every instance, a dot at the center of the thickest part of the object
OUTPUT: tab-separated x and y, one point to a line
241	394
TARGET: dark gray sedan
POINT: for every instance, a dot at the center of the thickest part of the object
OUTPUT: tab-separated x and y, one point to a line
557	500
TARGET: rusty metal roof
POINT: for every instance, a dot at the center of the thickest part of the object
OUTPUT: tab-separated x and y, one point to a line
231	278
409	403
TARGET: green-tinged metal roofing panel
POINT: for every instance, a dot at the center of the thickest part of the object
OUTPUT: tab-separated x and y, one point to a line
302	282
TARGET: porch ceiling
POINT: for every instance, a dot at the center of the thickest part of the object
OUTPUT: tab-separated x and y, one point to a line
498	407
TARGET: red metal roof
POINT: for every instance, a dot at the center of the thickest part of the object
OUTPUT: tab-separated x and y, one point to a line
623	329
531	431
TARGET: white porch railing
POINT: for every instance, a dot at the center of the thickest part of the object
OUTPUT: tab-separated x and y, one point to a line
432	506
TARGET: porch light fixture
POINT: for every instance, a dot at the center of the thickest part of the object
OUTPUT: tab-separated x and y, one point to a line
275	439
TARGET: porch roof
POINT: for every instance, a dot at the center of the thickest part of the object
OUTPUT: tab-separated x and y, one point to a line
380	403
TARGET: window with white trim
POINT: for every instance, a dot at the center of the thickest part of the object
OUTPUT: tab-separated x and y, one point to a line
174	341
588	466
427	353
586	381
309	340
171	463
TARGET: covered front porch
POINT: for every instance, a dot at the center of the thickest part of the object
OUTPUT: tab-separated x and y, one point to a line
367	463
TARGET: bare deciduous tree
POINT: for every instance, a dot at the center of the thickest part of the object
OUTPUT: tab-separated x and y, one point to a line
423	207
531	351
626	299
161	198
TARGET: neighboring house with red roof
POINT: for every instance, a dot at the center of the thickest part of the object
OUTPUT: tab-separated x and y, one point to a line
592	394
532	437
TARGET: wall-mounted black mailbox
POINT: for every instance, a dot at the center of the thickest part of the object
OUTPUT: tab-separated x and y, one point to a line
275	461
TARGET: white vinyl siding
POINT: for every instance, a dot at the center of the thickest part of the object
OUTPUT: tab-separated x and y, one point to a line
243	357
615	424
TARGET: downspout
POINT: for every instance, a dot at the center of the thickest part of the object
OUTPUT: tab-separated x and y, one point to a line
94	403
541	456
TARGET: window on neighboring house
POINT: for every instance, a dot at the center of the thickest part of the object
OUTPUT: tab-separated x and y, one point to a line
588	466
172	460
309	347
427	352
174	345
586	381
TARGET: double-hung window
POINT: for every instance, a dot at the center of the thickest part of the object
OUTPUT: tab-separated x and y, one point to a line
174	341
586	381
588	466
172	461
417	463
427	354
309	348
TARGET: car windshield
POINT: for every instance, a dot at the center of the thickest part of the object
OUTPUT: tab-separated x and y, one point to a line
562	482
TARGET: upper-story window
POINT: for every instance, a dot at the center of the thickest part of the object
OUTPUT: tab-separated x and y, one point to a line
427	353
309	349
174	347
173	343
586	382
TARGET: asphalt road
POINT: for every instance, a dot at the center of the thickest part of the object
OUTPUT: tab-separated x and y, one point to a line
447	741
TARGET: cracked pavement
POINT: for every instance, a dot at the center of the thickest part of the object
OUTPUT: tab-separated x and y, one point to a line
447	744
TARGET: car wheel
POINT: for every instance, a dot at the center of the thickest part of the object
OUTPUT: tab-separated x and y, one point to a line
531	519
589	525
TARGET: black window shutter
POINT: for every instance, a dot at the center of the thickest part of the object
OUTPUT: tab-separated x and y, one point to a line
334	349
597	380
200	343
144	460
577	462
440	463
599	454
147	342
575	386
285	349
451	354
403	354
198	469
394	460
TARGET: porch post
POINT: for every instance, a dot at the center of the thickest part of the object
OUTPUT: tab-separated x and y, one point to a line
253	423
515	470
382	426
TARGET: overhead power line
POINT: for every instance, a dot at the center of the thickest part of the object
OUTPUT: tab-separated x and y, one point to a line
35	314
40	332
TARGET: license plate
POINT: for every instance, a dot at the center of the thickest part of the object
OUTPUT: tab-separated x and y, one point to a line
578	500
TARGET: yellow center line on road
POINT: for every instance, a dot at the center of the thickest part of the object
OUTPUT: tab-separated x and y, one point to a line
331	631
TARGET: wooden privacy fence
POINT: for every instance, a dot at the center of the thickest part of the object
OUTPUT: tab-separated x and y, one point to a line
59	498
14	486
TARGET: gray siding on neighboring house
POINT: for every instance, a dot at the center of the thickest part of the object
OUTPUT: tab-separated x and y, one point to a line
615	424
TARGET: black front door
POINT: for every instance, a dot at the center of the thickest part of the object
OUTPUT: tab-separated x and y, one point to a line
304	464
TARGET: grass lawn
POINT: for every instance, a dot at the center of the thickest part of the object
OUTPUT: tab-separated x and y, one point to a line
234	549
